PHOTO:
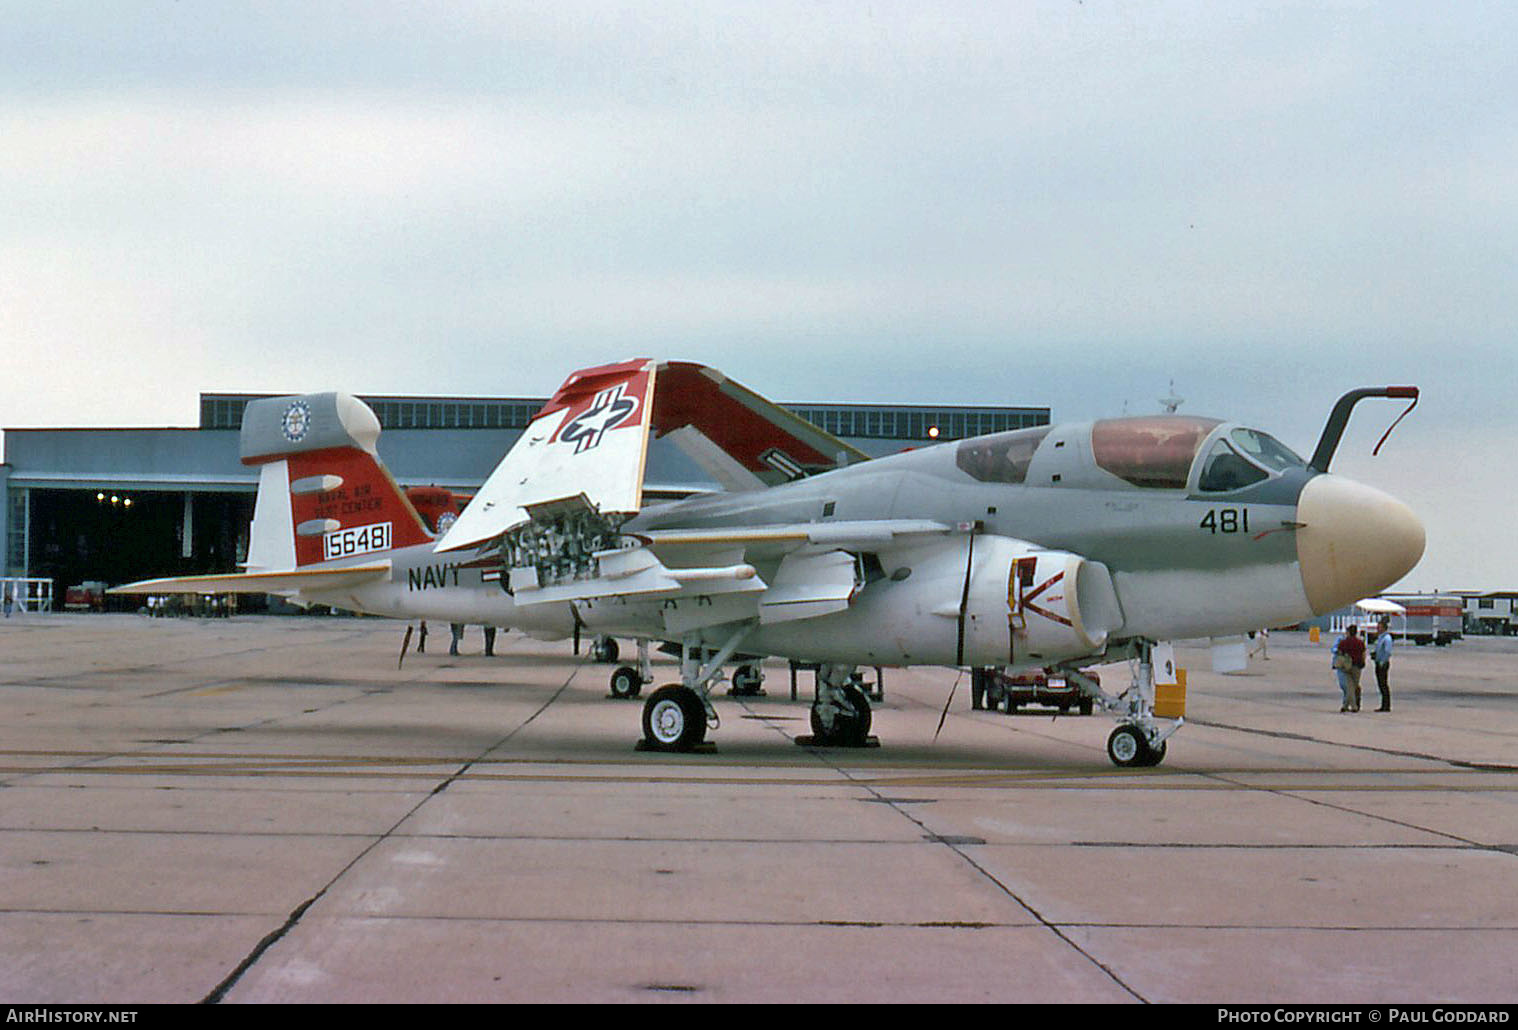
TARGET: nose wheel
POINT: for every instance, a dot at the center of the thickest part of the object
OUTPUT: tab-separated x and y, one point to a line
1140	738
1129	747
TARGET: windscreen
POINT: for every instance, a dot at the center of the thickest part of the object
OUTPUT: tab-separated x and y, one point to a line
1242	458
1265	449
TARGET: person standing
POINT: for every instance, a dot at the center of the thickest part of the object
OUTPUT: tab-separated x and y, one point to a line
489	641
1261	644
1382	657
1349	662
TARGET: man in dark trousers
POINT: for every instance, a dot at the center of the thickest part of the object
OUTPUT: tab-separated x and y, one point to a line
1382	656
1349	662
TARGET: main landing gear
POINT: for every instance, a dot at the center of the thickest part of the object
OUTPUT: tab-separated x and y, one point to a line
1140	737
677	716
841	713
627	681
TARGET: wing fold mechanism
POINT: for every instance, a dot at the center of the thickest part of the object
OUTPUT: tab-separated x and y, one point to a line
592	438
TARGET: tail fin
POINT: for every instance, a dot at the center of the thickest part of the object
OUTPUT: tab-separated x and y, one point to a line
322	491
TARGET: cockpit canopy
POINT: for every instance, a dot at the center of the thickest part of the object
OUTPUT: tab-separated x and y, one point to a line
1158	452
1153	452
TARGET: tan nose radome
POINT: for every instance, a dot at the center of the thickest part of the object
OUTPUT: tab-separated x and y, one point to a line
1355	541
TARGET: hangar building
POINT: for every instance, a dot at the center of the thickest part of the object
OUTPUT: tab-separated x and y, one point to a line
116	505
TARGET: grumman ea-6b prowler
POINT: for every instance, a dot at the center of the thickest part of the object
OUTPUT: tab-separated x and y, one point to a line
1056	547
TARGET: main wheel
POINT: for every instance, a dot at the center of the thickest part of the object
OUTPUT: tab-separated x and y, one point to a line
626	682
674	718
1127	746
746	680
605	650
849	729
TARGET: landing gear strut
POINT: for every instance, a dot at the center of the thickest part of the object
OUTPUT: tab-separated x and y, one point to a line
1140	737
676	717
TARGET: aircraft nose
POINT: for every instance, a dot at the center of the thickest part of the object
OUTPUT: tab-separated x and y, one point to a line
1355	541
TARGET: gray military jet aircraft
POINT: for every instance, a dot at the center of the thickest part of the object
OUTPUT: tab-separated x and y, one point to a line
1054	547
1050	547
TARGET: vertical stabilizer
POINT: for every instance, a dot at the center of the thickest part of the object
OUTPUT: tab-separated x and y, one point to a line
323	493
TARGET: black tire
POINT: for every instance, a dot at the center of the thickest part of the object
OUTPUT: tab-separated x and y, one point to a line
1127	747
674	719
746	680
820	733
1156	755
605	651
1086	706
626	682
857	732
848	730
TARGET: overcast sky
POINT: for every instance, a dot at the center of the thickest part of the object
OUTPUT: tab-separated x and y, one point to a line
1065	203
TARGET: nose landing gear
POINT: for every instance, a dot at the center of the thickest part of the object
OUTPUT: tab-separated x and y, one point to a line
1140	738
1129	746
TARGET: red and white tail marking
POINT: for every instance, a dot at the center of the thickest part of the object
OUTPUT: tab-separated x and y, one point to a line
323	494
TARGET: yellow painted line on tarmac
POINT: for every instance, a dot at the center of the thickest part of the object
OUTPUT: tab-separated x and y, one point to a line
410	769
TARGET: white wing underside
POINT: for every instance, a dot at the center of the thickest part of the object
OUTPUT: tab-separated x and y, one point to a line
815	574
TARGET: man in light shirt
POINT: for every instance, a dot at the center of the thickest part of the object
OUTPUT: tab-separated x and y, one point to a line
1381	654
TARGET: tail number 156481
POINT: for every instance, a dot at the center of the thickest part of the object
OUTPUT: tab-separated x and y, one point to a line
357	540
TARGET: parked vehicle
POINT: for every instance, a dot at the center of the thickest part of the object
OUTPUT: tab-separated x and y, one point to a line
995	690
1431	619
88	596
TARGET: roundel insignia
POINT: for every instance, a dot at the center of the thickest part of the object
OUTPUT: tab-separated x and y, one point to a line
446	520
297	421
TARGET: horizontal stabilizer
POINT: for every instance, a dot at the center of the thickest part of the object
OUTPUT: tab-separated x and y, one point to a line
291	581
